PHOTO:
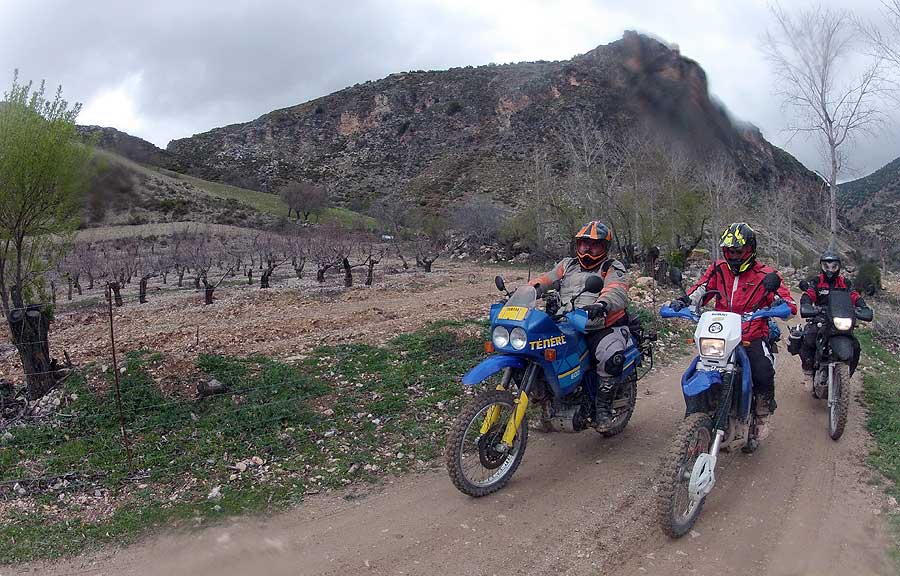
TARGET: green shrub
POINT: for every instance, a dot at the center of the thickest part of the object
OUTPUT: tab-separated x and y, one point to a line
676	258
868	278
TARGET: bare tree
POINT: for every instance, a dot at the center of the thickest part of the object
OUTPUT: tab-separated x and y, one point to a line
147	267
723	191
304	198
478	219
393	212
808	52
274	251
323	250
885	39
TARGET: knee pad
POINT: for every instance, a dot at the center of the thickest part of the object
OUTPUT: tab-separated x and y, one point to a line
615	364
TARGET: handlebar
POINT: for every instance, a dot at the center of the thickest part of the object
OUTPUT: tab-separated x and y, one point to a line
780	310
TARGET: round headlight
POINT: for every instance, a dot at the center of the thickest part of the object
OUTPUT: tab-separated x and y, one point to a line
500	336
518	338
843	324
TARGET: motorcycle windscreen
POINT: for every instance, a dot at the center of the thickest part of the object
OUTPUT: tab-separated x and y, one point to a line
518	305
840	304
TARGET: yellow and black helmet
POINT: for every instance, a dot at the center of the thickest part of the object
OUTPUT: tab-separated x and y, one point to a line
738	245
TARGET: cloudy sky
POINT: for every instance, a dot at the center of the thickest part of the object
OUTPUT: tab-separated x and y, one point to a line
171	68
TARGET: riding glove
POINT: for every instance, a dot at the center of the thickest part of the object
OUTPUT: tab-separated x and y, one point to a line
595	310
680	303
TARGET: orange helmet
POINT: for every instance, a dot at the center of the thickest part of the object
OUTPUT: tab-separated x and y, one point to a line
592	244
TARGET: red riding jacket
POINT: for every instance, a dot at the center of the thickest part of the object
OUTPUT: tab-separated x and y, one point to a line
818	289
741	294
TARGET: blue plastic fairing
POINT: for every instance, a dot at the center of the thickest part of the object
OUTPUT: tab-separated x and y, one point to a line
686	313
490	366
695	381
578	319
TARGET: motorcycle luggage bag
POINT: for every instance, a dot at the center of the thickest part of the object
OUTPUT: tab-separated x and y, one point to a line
795	339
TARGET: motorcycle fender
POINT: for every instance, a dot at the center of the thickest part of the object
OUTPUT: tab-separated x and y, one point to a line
695	382
841	348
490	366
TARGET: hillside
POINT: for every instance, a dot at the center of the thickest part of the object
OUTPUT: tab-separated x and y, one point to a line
871	208
445	136
125	145
124	192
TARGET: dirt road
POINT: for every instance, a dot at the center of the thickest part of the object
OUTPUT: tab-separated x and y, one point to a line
579	504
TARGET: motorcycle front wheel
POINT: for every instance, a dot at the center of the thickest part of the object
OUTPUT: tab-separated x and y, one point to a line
840	403
676	511
477	461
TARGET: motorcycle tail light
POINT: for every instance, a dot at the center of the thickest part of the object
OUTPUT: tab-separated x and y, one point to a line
550	355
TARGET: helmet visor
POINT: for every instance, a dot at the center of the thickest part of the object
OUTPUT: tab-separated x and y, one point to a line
592	247
831	266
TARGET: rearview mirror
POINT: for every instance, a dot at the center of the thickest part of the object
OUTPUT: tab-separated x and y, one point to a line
772	282
593	284
804	285
499	283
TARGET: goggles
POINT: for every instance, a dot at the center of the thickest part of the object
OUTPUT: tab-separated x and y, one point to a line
736	253
831	266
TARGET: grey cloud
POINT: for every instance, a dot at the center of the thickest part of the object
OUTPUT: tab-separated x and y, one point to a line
206	63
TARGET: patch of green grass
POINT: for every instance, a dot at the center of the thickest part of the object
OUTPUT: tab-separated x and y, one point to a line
346	218
259	201
881	390
391	405
273	203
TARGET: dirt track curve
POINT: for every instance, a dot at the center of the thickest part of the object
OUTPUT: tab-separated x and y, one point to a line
579	504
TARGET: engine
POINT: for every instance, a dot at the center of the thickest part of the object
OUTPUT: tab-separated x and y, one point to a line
568	418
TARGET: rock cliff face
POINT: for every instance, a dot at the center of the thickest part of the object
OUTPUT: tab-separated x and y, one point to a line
445	136
870	206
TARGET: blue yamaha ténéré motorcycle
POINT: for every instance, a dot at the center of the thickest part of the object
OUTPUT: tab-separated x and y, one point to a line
537	356
720	407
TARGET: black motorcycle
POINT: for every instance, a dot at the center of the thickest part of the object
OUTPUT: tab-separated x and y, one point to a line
837	351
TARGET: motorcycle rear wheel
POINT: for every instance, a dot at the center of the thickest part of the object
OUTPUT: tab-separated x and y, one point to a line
837	412
625	400
474	463
675	510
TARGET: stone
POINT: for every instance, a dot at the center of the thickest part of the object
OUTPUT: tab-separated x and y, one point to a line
645	282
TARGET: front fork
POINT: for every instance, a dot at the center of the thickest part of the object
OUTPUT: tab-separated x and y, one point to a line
521	406
831	399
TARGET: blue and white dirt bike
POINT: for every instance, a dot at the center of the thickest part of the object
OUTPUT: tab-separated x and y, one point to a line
542	357
721	411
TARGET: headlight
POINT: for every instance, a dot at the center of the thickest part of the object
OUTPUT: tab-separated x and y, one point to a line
843	323
500	336
714	347
518	338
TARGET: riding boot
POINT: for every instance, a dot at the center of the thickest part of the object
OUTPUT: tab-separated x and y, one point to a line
604	406
765	406
809	379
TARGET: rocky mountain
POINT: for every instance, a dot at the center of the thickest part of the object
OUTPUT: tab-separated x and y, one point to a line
871	205
446	136
125	145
